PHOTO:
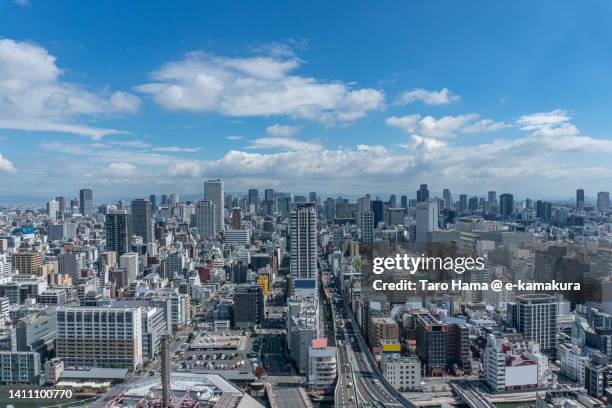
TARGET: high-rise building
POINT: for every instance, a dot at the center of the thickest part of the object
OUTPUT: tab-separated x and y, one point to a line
118	232
27	263
580	199
535	316
248	306
426	218
463	204
303	266
86	202
404	201
236	222
431	343
422	193
492	199
448	199
366	225
330	209
506	204
142	219
269	194
312	197
473	204
378	210
213	191
62	204
153	201
129	262
603	201
206	218
99	336
253	199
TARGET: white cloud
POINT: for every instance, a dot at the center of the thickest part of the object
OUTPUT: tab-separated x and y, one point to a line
256	86
22	3
177	149
441	97
6	166
234	137
484	126
120	170
34	97
284	143
427	131
282	130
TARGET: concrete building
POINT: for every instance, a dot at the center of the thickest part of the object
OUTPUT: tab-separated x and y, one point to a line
403	373
99	336
248	306
322	367
206	218
303	264
536	317
213	191
27	263
19	367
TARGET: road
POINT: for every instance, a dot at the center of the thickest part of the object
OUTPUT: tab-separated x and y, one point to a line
368	388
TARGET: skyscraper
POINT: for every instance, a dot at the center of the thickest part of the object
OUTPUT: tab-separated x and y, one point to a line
580	199
52	209
506	204
378	210
312	197
492	199
213	191
118	232
366	225
142	219
62	204
448	199
535	316
426	219
206	218
236	222
303	266
462	202
603	201
254	199
153	200
422	193
404	201
86	202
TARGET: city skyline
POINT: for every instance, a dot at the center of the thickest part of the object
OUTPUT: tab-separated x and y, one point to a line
290	102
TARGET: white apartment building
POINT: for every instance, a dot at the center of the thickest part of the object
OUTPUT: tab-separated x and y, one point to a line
322	370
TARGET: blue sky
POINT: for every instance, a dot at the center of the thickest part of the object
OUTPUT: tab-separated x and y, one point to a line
347	97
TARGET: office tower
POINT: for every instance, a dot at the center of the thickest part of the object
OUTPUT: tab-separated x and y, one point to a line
164	199
303	266
535	316
71	264
142	220
431	343
378	210
312	197
20	367
448	199
99	336
236	222
492	199
27	263
153	200
463	205
473	204
253	199
129	262
174	200
366	225
330	209
506	204
528	203
213	191
118	232
52	210
540	205
404	201
206	218
86	202
248	306
580	199
363	204
392	201
603	201
269	194
422	194
61	201
426	219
